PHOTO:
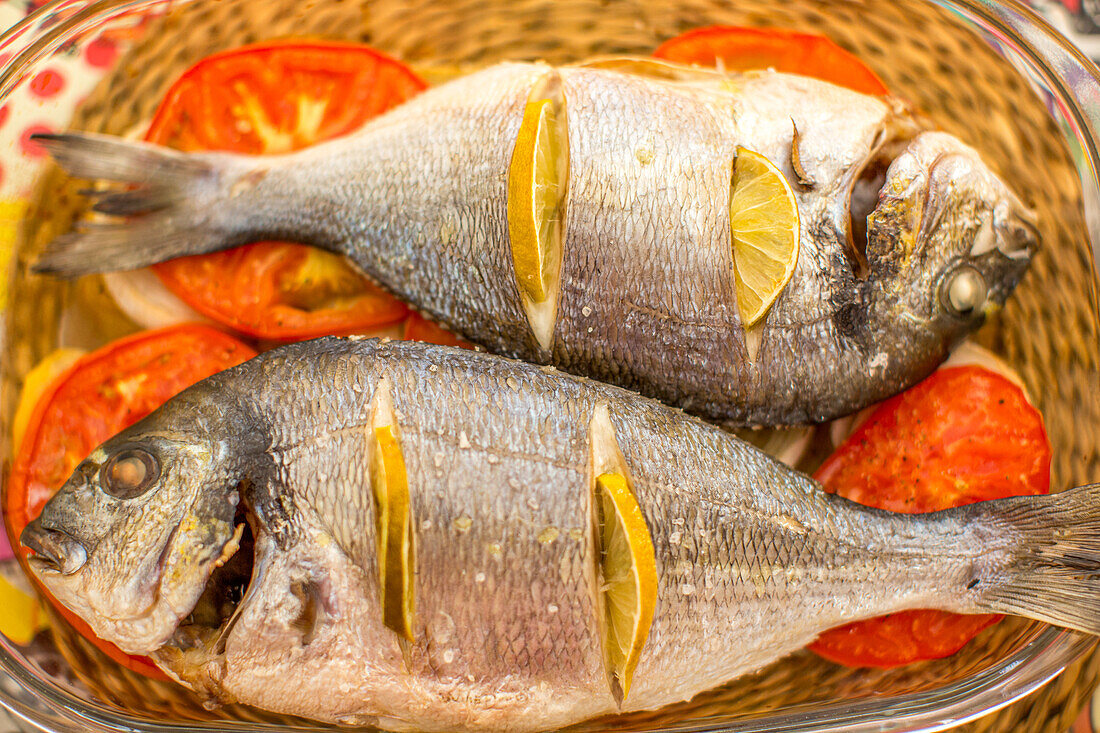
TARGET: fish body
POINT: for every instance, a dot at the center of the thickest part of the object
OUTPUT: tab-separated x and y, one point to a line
753	560
891	216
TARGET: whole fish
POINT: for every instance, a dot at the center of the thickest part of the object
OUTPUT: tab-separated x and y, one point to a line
907	238
752	559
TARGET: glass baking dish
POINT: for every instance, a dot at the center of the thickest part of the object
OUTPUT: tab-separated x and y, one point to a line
799	693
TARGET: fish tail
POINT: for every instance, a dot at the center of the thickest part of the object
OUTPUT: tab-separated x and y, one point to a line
1053	574
174	208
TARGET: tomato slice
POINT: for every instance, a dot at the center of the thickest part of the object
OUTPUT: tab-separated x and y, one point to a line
795	52
275	98
281	291
100	394
964	434
418	328
901	638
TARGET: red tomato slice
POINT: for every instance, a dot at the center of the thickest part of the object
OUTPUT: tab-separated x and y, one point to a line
742	49
900	638
266	99
282	291
418	328
964	434
102	393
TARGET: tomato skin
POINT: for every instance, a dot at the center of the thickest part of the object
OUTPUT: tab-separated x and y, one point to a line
276	98
901	638
226	100
795	52
99	395
418	328
964	434
261	277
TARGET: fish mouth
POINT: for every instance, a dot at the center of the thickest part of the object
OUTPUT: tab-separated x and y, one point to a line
55	551
208	624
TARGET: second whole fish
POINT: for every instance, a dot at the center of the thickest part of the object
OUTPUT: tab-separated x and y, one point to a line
907	241
751	559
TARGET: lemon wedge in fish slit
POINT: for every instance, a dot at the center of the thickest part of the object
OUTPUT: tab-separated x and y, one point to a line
627	575
765	229
537	179
393	525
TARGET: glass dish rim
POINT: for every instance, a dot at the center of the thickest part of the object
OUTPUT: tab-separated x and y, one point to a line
1037	662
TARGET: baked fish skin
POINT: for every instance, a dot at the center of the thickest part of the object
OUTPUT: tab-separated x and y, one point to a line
753	560
647	298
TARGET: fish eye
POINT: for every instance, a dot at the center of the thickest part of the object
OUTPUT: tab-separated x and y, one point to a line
129	473
963	291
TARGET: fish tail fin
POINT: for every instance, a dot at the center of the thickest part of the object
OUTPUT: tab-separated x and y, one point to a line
172	211
1054	570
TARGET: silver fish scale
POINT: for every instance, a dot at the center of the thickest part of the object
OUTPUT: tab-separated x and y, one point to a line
419	201
663	273
727	540
432	218
655	197
499	557
752	561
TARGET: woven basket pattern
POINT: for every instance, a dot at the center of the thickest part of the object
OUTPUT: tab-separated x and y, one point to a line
1048	331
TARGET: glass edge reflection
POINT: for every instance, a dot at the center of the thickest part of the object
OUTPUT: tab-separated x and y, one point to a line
1064	68
1026	670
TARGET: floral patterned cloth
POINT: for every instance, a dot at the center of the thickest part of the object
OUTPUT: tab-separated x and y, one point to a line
44	103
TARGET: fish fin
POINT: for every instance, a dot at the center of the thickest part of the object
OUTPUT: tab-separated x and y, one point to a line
1055	574
107	249
91	156
171	213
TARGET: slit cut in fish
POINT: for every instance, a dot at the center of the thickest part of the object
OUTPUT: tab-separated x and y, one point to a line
393	516
625	565
537	181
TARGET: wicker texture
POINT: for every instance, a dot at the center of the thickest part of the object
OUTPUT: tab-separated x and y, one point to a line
1048	331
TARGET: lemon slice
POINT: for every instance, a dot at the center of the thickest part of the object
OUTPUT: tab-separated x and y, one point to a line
537	178
628	573
394	532
35	384
23	616
765	231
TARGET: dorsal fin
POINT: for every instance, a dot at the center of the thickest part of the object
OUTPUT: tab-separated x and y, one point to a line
652	68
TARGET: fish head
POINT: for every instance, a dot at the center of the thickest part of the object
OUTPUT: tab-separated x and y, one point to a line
130	540
948	240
